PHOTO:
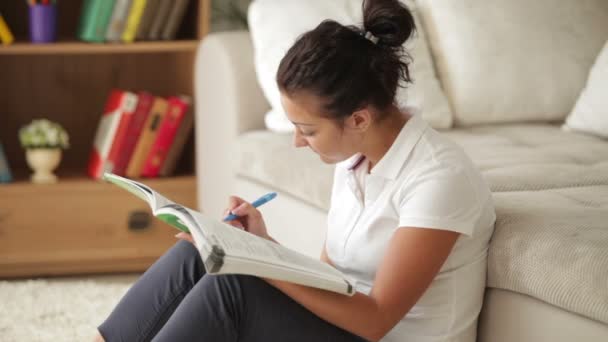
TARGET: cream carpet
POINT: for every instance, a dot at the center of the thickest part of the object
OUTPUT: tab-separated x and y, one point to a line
58	309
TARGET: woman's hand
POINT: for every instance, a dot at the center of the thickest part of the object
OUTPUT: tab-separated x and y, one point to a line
249	218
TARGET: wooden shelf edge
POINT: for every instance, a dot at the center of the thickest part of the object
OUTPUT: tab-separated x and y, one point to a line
89	183
62	48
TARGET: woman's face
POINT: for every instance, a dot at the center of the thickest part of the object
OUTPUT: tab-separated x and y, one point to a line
322	135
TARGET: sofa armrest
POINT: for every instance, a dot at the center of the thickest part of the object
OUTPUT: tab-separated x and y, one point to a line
228	103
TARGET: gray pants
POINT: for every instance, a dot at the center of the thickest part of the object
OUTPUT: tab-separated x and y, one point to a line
174	300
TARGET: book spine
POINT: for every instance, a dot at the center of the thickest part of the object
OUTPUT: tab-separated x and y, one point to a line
175	151
105	134
144	104
6	36
103	19
118	20
137	9
148	135
174	19
88	17
125	111
160	18
176	111
146	19
5	171
214	262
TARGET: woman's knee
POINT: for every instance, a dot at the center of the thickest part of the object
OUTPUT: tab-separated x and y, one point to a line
184	254
184	250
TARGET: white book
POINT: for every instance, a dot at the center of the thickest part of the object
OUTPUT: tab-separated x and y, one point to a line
225	249
118	21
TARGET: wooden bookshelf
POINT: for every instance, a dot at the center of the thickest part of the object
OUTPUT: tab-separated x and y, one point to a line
68	82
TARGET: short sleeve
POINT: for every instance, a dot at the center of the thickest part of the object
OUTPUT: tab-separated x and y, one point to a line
443	199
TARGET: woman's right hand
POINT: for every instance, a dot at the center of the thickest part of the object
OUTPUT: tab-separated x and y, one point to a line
249	218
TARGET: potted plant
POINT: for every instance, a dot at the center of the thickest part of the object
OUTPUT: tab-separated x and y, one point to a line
43	142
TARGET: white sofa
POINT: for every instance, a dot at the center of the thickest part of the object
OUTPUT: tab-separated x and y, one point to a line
548	258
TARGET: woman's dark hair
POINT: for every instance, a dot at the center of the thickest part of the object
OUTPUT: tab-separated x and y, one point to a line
346	69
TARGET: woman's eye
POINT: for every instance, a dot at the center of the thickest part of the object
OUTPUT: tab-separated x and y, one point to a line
308	134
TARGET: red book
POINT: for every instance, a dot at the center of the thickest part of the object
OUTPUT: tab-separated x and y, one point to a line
128	108
144	104
177	109
118	101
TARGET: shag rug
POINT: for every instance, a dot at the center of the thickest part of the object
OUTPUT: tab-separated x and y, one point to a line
58	309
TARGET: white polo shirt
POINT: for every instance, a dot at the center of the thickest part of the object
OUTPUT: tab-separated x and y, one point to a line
424	180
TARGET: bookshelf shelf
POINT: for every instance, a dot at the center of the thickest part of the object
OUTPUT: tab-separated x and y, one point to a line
81	225
74	47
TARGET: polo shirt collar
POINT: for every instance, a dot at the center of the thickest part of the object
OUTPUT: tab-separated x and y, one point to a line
393	160
355	161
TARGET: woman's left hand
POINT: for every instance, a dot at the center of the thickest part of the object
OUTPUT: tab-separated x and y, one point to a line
185	236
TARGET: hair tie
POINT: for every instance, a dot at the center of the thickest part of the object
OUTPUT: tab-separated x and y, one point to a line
370	36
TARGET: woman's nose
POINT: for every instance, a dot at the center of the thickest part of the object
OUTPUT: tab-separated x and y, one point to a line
298	140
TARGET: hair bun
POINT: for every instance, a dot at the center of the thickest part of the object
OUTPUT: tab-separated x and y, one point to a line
388	20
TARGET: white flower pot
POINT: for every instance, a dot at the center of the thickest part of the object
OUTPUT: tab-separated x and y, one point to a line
43	161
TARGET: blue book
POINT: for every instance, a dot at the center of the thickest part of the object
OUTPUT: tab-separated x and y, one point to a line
5	172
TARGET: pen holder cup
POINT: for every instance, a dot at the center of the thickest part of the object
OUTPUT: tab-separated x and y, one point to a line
43	23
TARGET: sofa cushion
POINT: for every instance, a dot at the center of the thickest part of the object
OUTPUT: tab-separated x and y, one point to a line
517	157
513	60
590	114
511	158
276	24
553	245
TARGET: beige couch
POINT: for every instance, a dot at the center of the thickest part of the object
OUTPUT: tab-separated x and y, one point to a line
548	258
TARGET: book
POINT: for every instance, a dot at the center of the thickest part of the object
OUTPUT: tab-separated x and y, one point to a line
175	151
86	25
225	249
118	21
137	9
144	104
117	102
94	20
146	19
159	20
174	19
126	110
147	137
6	36
5	171
176	111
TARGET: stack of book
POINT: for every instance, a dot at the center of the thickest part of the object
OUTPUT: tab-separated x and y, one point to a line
140	135
129	20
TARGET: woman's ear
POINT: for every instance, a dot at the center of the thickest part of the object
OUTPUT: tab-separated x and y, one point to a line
359	120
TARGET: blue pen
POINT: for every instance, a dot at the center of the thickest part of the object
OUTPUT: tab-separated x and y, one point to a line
255	204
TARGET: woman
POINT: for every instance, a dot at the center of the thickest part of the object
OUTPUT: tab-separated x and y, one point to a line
410	216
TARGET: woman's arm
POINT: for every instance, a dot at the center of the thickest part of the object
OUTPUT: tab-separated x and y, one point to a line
413	259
